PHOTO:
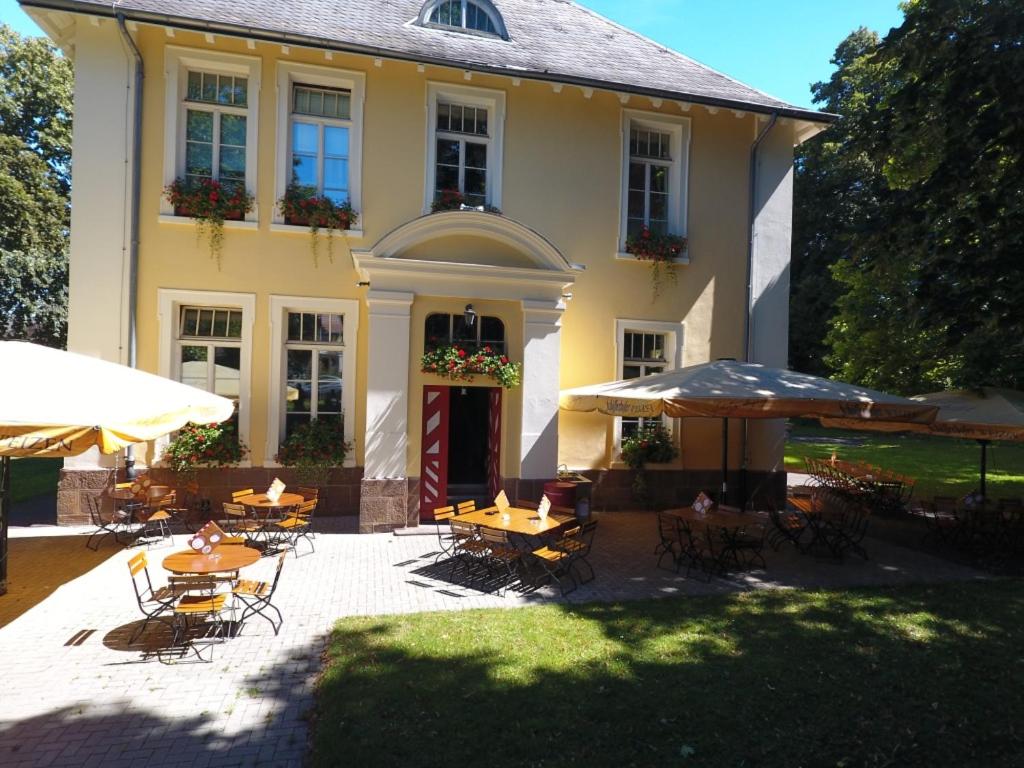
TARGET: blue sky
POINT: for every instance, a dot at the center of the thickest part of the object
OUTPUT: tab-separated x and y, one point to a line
778	46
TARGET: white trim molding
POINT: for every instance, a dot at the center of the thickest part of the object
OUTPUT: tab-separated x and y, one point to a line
169	303
491	100
289	74
279	308
177	62
678	128
675	333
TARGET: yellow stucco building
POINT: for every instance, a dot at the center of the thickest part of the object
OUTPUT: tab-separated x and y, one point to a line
581	133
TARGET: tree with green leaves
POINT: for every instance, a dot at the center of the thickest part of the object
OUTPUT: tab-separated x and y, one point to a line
35	184
929	276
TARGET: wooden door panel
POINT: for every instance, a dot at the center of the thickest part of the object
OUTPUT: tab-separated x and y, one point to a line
434	450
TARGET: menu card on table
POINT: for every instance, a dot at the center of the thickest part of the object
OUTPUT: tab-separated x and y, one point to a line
544	507
206	538
275	490
501	502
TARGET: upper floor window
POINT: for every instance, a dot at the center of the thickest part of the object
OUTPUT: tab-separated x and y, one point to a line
210	120
654	174
319	133
320	125
464	152
472	15
442	329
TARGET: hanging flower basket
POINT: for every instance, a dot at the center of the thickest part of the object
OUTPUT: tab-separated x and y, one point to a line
210	204
460	364
301	206
662	251
453	200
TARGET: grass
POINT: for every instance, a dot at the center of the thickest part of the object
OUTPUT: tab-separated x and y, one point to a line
942	467
34	477
917	676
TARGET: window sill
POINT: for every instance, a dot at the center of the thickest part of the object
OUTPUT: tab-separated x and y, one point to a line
623	256
188	221
296	229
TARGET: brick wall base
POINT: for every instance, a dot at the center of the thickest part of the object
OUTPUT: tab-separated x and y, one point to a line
340	497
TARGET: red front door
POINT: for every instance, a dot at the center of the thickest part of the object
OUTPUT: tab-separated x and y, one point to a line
494	441
434	451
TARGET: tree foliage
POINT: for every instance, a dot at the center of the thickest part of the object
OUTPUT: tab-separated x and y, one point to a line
35	154
924	242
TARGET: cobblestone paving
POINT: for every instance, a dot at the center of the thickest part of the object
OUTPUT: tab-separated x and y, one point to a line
73	692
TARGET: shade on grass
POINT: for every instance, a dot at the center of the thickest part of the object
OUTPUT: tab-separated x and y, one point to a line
941	465
916	676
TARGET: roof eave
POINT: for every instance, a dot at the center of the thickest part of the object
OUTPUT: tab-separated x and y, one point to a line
234	30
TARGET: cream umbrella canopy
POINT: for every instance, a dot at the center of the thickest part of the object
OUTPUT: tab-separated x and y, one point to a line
984	414
729	389
55	403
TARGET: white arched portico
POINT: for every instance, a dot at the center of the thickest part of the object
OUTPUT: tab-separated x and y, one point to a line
470	255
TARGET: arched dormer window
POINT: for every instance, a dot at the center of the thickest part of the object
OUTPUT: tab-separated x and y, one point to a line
470	15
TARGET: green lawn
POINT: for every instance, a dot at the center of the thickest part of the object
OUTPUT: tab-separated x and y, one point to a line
920	676
943	467
34	477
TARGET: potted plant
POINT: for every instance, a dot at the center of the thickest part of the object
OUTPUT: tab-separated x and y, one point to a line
453	200
203	446
461	364
651	445
302	206
313	449
662	251
210	203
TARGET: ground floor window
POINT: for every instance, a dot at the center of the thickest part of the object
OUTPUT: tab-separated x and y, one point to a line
314	367
644	348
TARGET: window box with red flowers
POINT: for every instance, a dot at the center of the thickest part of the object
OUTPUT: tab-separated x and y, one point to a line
662	251
210	203
204	446
459	363
302	206
453	200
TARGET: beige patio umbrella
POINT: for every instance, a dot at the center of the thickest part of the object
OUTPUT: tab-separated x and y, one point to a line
984	414
729	389
55	403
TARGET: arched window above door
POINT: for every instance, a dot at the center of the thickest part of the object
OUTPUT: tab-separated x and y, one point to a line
442	329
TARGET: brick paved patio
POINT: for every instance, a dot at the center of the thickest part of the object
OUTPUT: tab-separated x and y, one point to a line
98	701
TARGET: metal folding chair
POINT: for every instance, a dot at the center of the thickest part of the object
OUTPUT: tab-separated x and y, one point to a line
153	602
112	523
256	596
297	524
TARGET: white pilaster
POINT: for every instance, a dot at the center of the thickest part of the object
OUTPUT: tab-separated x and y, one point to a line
387	384
542	334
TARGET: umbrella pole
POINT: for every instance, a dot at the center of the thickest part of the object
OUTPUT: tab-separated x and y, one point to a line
724	498
5	511
984	465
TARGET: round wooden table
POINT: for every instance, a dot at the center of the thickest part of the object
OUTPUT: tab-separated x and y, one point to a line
260	500
229	557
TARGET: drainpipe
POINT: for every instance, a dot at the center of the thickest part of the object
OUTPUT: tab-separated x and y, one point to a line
752	203
133	223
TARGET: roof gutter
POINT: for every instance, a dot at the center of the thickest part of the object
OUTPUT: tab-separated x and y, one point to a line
235	30
133	204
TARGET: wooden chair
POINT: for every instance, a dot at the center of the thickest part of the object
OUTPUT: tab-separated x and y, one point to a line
298	524
577	543
499	556
200	601
445	540
556	562
256	596
236	495
112	523
153	602
467	548
308	493
669	541
238	523
464	507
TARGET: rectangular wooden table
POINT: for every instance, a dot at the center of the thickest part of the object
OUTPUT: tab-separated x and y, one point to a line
524	522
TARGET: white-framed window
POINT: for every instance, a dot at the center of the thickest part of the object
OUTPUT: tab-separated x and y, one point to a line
655	163
210	119
312	366
206	341
642	348
442	329
319	132
477	16
465	135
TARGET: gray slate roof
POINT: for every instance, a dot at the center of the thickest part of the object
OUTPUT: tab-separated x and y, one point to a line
555	40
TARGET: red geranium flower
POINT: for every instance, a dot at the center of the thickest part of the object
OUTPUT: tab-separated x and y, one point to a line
462	353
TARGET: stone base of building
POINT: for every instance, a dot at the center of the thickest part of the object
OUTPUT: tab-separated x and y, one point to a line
387	504
339	497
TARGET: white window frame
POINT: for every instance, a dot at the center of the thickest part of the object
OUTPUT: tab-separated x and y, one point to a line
177	63
169	304
491	100
280	306
674	334
678	129
290	74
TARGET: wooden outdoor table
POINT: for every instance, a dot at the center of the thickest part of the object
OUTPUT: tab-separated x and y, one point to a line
223	559
260	500
524	522
724	517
